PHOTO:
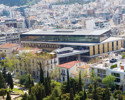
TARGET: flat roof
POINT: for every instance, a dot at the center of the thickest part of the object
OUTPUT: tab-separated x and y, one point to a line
75	52
66	32
110	39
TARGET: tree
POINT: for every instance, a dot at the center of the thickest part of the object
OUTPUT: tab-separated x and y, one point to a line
4	73
26	80
85	95
55	75
94	90
31	97
2	81
3	55
39	91
41	74
80	82
25	97
8	96
71	94
118	94
10	81
106	94
109	81
68	82
3	92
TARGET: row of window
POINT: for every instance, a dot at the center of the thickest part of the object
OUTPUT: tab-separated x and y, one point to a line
41	45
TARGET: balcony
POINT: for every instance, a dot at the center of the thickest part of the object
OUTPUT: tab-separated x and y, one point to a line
63	73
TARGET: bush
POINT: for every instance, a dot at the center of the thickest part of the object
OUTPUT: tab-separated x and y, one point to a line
24	80
113	66
123	56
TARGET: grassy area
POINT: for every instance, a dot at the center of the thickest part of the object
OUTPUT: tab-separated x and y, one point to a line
20	98
18	91
19	85
15	90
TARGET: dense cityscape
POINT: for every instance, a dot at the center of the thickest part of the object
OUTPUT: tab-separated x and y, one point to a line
62	49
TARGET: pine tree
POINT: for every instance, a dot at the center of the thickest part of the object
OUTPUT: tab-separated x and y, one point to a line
80	82
2	81
85	95
25	97
33	97
4	73
68	82
10	81
71	94
32	82
41	74
49	82
46	87
8	96
30	89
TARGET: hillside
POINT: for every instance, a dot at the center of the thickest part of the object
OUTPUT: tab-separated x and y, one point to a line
18	2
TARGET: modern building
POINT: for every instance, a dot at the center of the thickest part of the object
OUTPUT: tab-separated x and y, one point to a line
87	43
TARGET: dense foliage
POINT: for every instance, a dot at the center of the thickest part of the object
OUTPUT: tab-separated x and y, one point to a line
17	2
73	89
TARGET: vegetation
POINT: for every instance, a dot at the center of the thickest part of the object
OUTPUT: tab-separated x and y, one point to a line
2	81
49	89
3	92
123	56
108	81
8	96
17	2
26	80
18	91
113	66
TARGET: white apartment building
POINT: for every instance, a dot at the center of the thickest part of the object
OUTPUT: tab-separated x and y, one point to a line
114	65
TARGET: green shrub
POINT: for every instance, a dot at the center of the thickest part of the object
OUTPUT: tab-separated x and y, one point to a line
123	56
26	80
113	66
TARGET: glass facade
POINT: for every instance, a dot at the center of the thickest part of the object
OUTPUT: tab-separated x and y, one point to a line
61	38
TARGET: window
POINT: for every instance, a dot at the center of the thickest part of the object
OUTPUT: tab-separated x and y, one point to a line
98	49
93	50
112	46
103	48
117	45
116	74
63	78
63	71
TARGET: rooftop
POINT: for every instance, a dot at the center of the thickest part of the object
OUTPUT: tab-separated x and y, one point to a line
66	32
68	65
8	45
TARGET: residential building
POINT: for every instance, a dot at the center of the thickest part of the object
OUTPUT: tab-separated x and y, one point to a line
113	65
74	67
13	37
2	38
8	48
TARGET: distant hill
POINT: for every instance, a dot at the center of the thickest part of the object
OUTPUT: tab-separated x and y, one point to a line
76	1
18	2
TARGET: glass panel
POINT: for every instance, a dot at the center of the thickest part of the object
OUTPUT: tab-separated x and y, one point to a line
60	38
